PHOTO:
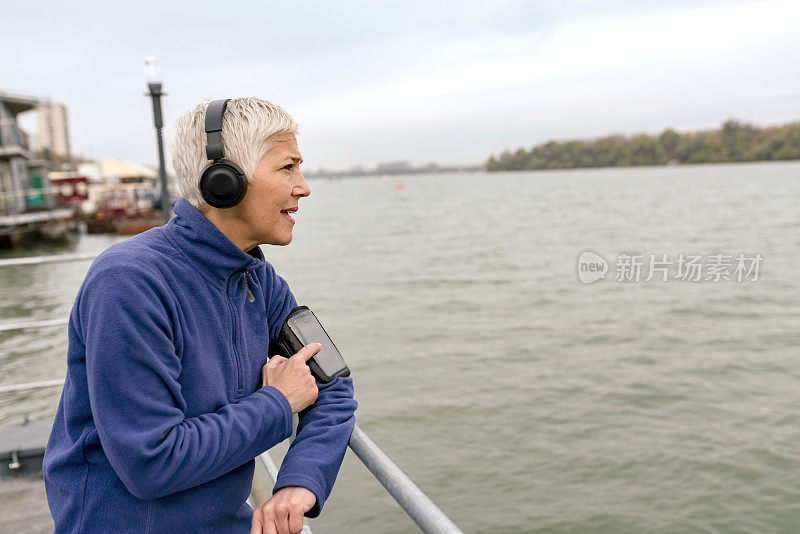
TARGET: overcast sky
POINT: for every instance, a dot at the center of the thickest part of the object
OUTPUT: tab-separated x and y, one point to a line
450	82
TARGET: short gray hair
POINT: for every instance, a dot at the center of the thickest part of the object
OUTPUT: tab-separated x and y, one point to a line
247	127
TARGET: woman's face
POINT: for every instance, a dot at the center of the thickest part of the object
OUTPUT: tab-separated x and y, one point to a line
273	194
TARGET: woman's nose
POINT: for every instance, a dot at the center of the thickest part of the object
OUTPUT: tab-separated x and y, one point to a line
302	189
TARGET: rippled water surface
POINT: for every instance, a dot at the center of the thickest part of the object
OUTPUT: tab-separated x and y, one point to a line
518	398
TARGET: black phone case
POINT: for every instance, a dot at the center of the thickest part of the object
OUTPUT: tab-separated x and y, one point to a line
288	345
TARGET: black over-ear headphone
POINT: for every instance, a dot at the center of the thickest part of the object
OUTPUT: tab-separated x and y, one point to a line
222	183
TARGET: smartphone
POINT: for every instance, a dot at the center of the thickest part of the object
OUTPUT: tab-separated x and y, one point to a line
301	328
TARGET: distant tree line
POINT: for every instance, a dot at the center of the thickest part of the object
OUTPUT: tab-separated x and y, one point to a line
735	141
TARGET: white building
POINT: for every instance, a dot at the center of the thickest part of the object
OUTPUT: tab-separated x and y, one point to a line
52	134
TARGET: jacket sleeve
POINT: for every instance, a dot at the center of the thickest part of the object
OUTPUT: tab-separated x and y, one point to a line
323	432
132	368
315	456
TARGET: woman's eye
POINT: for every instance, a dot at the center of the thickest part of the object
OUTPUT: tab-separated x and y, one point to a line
289	167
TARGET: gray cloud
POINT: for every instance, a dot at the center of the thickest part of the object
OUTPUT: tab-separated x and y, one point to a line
449	82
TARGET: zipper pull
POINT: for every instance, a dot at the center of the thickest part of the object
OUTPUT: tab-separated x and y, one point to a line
250	296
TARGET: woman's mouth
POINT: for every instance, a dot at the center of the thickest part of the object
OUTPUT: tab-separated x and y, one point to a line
287	213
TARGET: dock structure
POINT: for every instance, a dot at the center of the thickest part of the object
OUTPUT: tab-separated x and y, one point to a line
23	501
51	224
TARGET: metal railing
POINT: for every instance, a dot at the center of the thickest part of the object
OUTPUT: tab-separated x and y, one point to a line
13	135
38	260
428	517
32	385
29	192
32	324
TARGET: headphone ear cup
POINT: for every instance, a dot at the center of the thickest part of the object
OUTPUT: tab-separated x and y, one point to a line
223	184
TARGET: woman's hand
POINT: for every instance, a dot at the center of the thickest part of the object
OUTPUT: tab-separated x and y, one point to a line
283	512
293	378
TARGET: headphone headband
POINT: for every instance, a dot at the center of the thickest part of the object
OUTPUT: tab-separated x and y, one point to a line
214	149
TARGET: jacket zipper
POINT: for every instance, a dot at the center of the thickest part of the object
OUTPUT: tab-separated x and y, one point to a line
235	339
236	335
250	296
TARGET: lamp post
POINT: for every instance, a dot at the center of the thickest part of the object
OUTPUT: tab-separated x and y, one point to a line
152	69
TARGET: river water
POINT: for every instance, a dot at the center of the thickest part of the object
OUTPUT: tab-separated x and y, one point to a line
519	398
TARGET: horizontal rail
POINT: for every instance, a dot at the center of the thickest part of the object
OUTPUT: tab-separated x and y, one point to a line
32	385
32	324
428	517
53	258
30	217
29	192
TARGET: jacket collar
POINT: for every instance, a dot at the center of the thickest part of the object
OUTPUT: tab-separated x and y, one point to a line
204	245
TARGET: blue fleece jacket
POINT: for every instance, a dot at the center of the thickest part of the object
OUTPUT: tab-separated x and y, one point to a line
162	412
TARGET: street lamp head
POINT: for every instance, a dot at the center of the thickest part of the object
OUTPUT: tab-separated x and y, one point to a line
152	70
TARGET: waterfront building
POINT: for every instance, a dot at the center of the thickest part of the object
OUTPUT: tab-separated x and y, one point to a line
26	197
16	184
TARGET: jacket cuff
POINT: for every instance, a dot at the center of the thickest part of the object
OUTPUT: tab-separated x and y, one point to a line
278	398
309	484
